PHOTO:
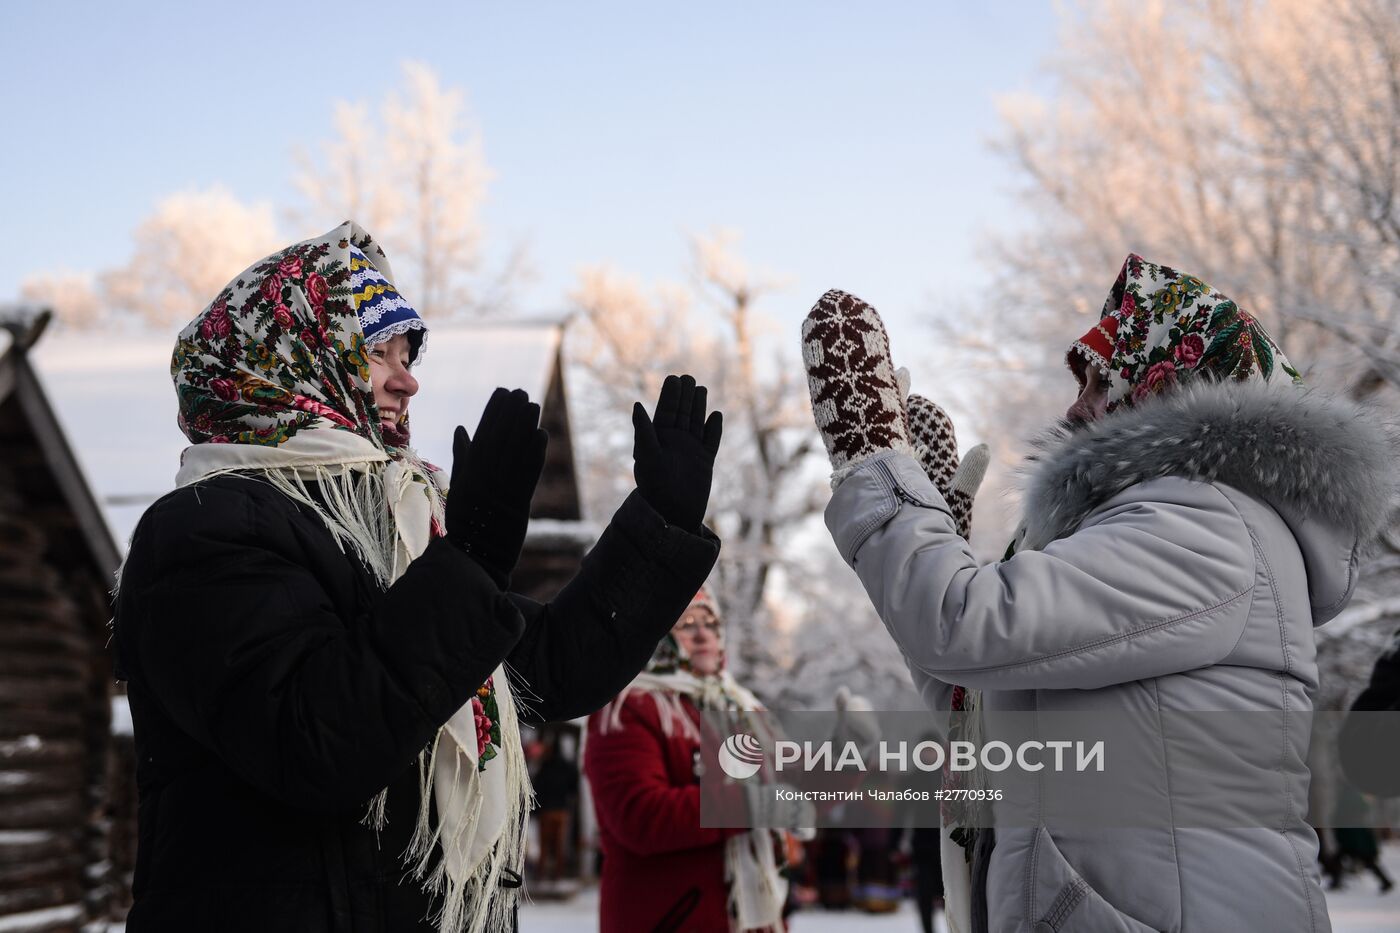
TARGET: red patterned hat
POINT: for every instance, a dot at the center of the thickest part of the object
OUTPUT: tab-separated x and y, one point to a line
706	599
1094	349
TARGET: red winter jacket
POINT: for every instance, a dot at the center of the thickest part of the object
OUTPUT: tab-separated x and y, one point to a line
661	870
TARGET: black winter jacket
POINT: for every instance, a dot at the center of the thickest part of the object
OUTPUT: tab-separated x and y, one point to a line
276	688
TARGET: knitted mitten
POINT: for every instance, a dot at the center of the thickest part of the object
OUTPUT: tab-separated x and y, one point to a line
936	449
856	402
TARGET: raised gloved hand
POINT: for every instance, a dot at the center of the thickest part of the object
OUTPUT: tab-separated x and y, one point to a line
936	449
493	480
855	720
674	452
856	402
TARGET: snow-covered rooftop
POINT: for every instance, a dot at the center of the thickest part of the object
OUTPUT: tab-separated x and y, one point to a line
115	400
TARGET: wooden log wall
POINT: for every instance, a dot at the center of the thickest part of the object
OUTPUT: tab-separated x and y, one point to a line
55	743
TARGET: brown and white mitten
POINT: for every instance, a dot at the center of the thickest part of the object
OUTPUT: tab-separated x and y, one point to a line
936	449
856	401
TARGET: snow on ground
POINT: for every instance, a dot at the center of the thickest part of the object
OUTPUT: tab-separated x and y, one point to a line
45	919
1357	909
580	915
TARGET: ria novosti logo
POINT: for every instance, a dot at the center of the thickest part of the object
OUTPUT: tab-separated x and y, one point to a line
740	756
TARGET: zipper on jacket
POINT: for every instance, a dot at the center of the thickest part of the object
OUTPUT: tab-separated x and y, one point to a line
899	491
892	482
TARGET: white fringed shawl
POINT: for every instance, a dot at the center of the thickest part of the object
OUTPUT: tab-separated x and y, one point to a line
383	509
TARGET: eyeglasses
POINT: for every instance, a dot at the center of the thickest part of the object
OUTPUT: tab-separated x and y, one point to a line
692	627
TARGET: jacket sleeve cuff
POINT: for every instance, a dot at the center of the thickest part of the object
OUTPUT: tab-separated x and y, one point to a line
588	642
650	545
872	494
443	627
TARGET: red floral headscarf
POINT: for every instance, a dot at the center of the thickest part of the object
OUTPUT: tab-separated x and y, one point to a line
1161	327
281	350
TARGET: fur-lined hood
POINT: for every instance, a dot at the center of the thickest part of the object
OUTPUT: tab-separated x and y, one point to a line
1324	464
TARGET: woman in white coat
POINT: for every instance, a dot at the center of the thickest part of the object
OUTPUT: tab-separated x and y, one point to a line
1181	540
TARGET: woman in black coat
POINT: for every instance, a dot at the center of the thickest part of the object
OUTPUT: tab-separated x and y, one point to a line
323	655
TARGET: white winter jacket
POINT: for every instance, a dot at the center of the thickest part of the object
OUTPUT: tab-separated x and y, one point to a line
1176	557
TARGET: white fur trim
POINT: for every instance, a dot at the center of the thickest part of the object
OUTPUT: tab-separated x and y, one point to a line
1319	455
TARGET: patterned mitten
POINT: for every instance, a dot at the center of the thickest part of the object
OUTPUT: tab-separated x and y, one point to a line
936	449
855	399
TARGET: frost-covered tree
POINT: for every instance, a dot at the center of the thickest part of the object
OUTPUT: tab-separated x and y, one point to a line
1252	142
187	249
833	637
72	296
622	340
1255	143
413	172
769	481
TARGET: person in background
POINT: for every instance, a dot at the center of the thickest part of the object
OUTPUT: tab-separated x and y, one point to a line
556	789
832	857
1369	743
928	874
877	870
1357	848
663	871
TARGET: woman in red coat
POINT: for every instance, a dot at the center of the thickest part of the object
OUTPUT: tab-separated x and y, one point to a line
663	871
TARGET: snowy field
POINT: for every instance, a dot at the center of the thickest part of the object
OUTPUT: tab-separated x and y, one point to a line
1358	909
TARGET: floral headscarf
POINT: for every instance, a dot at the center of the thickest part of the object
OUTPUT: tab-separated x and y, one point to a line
1161	327
281	348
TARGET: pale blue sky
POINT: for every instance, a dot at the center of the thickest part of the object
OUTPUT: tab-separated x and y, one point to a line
847	141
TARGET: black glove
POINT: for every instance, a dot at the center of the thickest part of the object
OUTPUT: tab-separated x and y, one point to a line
493	481
674	452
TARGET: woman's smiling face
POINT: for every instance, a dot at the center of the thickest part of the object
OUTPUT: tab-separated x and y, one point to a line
393	386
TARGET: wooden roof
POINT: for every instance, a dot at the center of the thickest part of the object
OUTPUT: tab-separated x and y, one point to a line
112	397
46	474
